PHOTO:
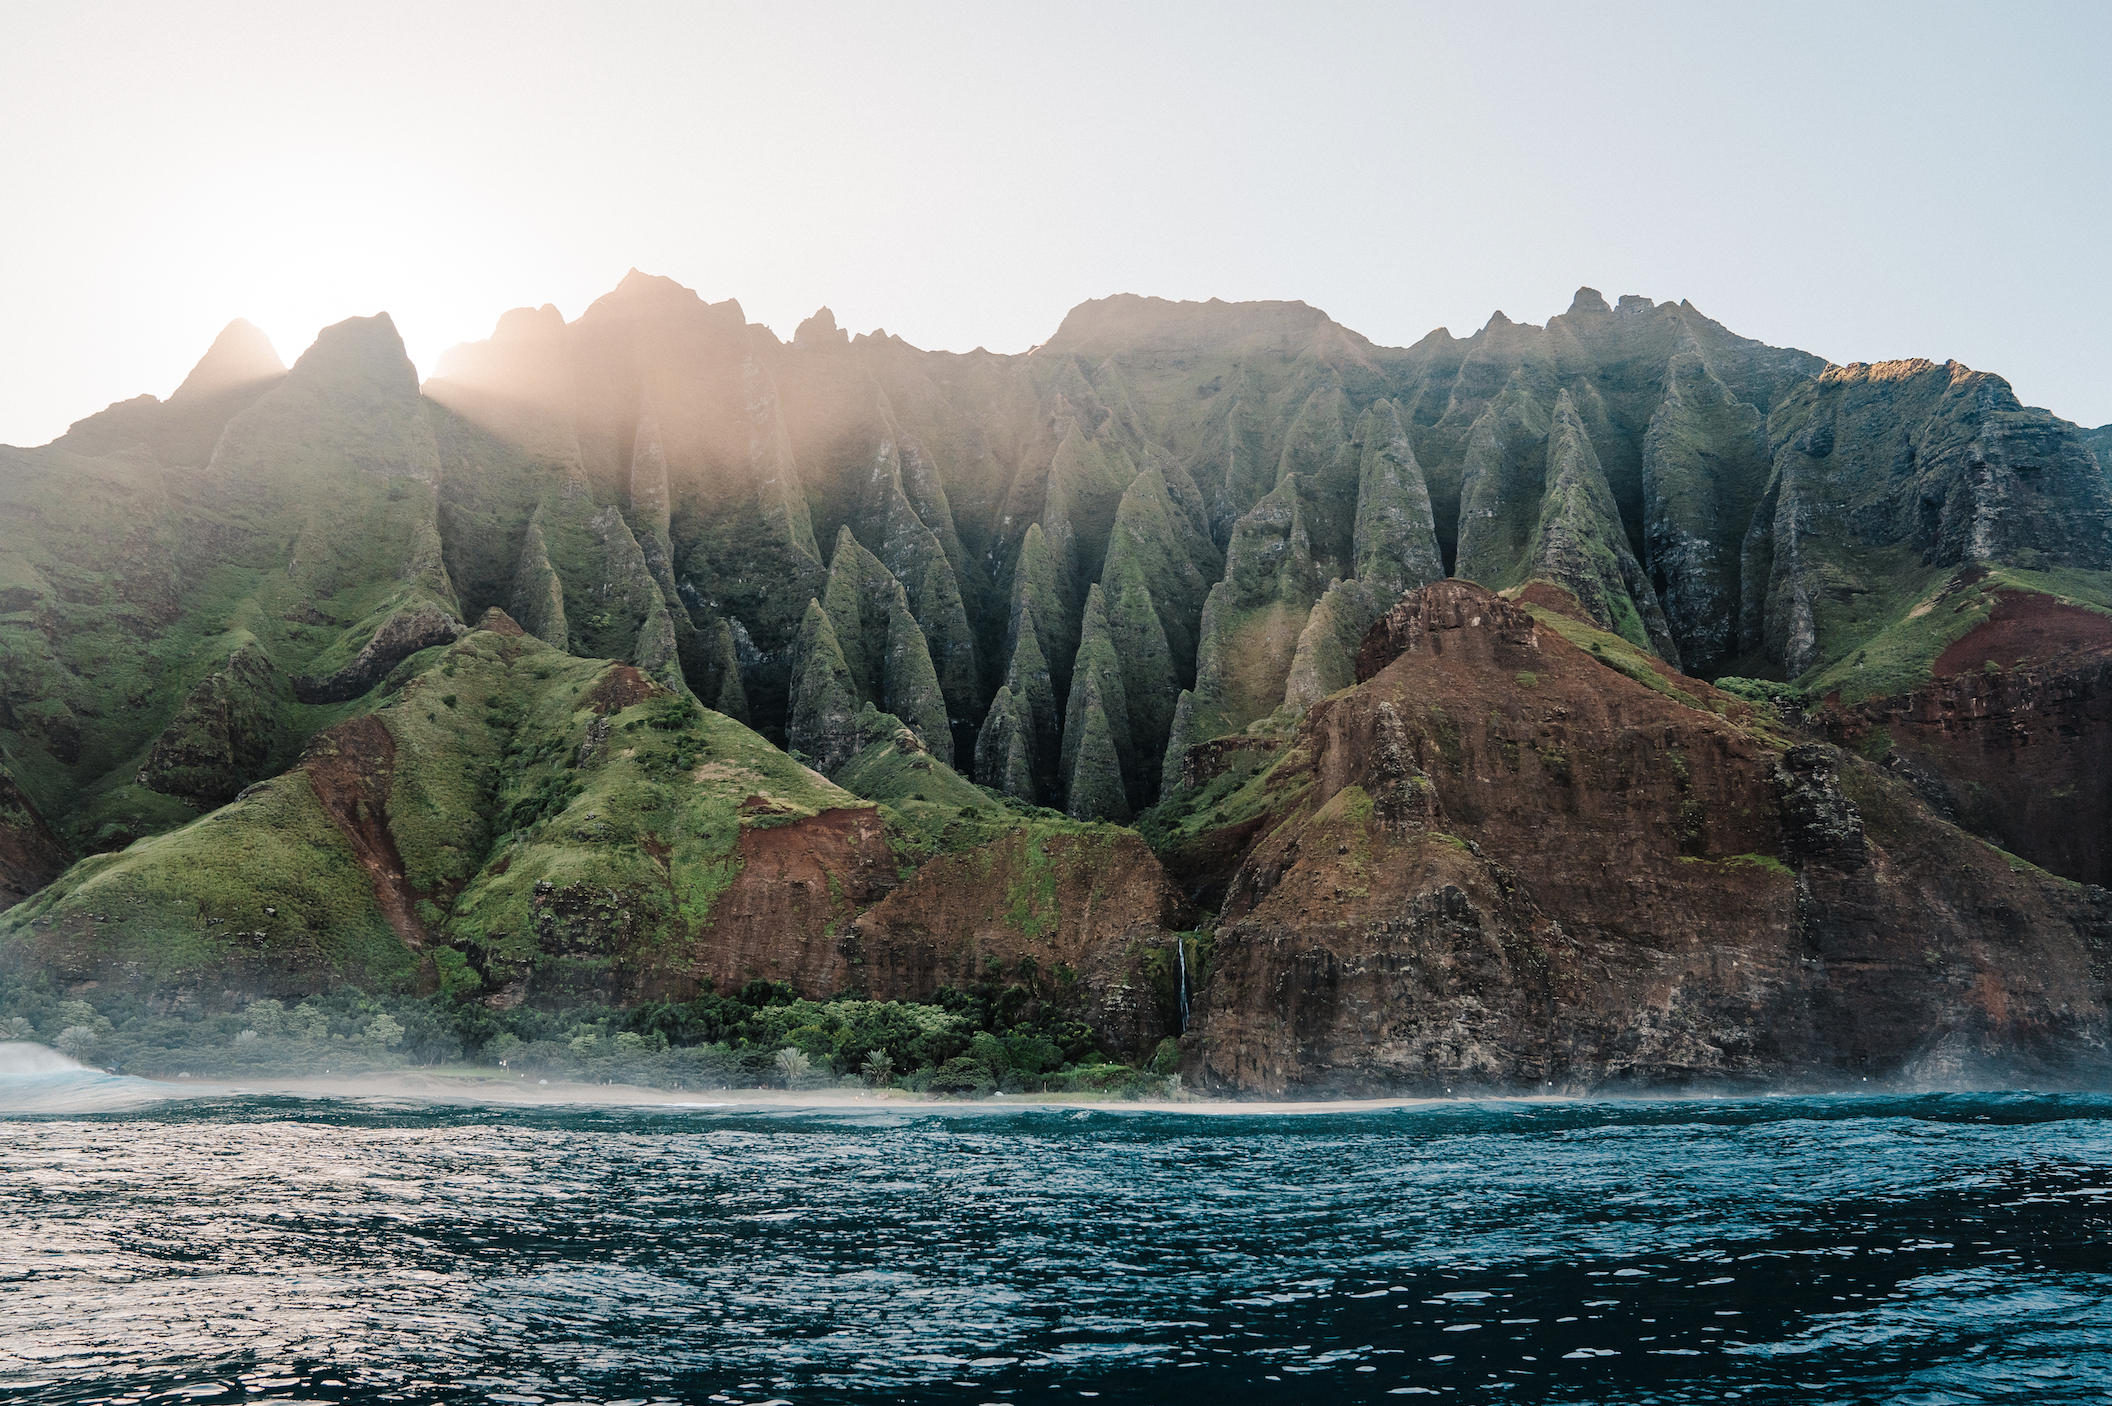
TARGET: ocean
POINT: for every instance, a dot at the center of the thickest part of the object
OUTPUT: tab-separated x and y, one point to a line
164	1244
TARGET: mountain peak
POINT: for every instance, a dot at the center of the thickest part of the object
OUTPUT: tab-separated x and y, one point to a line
819	331
1132	323
239	356
359	349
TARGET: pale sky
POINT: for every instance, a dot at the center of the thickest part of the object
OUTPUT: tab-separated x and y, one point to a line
1863	181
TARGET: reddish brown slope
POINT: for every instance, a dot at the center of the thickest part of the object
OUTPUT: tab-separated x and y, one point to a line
1093	904
1500	863
2012	739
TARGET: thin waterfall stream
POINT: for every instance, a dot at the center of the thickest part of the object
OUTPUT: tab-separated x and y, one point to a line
1180	947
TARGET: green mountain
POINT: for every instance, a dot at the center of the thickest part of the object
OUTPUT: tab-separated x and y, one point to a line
518	682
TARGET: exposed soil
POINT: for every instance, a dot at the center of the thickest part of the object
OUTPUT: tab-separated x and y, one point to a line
819	903
619	688
1551	597
785	918
2026	628
352	768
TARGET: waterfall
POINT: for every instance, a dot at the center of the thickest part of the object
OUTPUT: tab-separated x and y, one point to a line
1180	947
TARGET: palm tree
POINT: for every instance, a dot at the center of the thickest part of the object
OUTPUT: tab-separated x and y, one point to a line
792	1067
877	1067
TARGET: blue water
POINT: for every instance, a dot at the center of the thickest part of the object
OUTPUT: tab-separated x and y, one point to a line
221	1247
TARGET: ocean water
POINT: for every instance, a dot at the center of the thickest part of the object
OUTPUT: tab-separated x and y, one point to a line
217	1247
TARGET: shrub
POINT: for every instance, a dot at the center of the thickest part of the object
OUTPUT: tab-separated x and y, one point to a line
1781	695
266	1017
962	1075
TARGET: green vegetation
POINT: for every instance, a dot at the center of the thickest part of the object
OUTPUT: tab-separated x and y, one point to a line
1003	1033
270	873
1241	792
551	775
1776	695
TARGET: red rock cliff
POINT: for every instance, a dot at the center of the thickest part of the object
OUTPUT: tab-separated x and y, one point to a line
1500	863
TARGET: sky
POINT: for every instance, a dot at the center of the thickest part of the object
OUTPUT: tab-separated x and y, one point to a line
1861	180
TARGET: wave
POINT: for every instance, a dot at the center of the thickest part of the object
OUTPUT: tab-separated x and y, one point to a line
37	1079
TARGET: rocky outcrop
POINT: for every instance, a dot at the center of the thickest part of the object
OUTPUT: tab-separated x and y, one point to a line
1907	464
1087	909
352	770
30	855
240	356
860	644
223	736
825	701
1268	479
1503	863
400	636
1581	546
1152	570
1704	468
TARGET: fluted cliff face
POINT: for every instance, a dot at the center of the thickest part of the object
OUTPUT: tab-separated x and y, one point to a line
1248	486
907	620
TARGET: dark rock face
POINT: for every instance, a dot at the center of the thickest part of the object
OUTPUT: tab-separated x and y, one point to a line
30	857
1933	465
223	738
1248	487
1469	883
400	636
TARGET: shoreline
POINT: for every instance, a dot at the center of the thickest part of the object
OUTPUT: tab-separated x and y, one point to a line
474	1087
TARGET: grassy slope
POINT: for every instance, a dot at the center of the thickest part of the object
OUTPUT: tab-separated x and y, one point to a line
518	771
267	878
490	797
1884	637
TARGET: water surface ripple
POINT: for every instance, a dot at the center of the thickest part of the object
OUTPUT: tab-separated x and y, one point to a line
1942	1248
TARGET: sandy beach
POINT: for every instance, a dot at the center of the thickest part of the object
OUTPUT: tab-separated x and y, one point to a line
471	1087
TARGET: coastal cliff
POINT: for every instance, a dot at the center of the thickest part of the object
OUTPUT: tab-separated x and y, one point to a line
1515	858
647	655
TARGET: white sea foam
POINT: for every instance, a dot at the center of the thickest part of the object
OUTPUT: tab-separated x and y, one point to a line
21	1058
37	1079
